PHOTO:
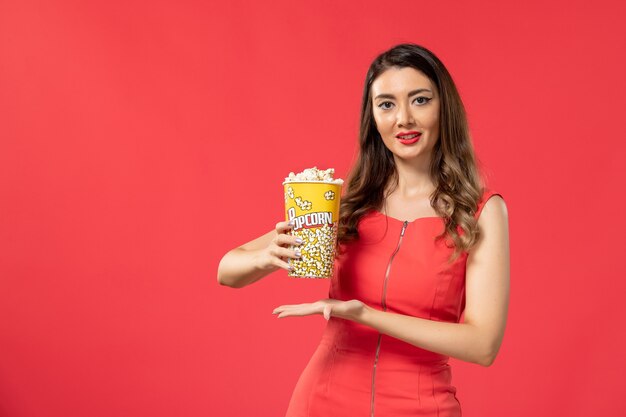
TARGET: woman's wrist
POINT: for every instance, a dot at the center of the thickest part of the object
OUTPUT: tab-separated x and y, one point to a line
363	315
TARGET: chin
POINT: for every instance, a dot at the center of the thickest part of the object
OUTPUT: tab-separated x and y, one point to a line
407	157
410	155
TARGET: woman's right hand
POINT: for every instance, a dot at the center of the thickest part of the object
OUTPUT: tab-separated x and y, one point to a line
277	252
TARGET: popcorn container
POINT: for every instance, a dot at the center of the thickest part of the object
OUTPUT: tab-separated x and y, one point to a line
313	206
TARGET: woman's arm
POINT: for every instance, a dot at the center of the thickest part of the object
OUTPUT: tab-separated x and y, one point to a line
254	260
478	338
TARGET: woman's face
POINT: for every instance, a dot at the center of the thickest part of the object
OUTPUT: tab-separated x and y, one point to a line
405	106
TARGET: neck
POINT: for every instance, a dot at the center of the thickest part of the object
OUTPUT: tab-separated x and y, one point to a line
413	178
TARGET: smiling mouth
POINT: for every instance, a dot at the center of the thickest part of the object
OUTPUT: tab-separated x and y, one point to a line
407	136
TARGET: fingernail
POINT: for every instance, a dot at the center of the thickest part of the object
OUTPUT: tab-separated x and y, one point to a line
290	223
291	267
298	240
298	254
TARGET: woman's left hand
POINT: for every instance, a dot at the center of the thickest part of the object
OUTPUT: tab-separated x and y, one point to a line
348	310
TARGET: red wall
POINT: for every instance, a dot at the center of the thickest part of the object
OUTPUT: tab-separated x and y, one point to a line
141	140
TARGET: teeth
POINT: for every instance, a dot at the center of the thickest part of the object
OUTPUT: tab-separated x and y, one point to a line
409	136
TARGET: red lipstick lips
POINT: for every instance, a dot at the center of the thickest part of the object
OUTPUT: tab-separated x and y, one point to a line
408	138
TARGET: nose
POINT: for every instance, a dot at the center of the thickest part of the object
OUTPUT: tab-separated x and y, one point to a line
404	116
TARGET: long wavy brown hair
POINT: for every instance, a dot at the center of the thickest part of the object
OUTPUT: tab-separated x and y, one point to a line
453	168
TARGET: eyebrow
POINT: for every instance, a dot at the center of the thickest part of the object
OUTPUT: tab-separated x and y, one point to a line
411	93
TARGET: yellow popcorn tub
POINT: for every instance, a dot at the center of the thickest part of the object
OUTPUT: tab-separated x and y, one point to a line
313	206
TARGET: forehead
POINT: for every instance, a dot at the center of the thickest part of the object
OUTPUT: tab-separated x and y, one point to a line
399	81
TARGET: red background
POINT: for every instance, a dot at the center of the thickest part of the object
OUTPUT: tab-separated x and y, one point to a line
141	140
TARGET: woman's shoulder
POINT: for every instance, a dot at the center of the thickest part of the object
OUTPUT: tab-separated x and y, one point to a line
489	192
493	199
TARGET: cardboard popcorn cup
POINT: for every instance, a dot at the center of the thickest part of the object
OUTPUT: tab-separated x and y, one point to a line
313	206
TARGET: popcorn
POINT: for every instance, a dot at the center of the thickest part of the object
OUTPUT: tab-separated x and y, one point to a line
318	252
314	174
304	205
312	204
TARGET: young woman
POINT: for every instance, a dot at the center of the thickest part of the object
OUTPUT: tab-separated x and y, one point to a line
421	241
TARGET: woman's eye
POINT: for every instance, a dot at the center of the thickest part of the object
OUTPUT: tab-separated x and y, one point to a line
424	100
386	105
